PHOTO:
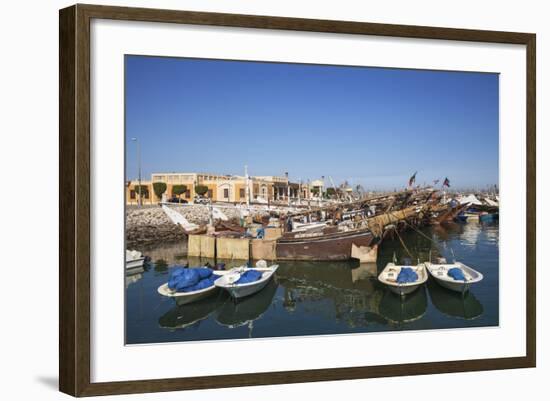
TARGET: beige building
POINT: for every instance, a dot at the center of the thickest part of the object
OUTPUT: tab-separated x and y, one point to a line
221	188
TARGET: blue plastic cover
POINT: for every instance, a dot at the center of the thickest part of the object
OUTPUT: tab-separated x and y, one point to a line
456	273
204	272
202	284
407	275
185	279
249	276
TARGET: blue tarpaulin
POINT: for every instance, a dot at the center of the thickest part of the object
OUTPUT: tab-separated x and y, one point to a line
456	273
190	279
202	284
407	275
249	276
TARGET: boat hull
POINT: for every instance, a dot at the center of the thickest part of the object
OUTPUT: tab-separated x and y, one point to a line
390	273
241	292
238	291
455	285
336	246
461	218
134	264
183	298
403	290
196	297
488	217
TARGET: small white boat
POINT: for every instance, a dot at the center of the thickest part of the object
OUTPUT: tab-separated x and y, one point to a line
304	227
439	271
183	298
390	273
229	281
134	259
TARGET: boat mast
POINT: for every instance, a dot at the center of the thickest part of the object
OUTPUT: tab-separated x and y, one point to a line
334	186
247	180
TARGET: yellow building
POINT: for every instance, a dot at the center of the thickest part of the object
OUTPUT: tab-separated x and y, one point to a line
221	188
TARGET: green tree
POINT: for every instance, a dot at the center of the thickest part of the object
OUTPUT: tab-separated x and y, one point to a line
201	189
315	191
144	190
159	188
331	191
179	189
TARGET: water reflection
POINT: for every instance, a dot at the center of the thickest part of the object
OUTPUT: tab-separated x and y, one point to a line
399	310
351	289
234	314
454	304
161	266
184	316
308	298
364	271
133	277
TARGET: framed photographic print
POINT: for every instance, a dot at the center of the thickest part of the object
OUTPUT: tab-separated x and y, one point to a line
265	198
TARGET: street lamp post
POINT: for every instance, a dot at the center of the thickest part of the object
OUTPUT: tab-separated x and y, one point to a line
287	189
139	170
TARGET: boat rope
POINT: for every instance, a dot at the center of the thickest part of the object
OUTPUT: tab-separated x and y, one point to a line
403	243
416	229
425	236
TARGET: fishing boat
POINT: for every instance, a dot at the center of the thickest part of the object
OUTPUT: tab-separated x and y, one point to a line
303	227
485	217
322	246
403	279
336	241
183	298
236	282
461	217
447	213
454	276
134	259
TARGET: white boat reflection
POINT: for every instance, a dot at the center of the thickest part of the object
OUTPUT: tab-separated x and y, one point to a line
455	304
399	310
234	314
133	275
181	317
364	271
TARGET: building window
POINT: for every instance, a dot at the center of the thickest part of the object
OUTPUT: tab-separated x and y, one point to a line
241	192
188	194
210	193
226	193
132	194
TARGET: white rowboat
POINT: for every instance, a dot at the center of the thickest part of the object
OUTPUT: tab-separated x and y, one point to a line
228	281
389	275
134	259
439	271
183	298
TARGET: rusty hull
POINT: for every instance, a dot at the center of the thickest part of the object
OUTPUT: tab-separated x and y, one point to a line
323	247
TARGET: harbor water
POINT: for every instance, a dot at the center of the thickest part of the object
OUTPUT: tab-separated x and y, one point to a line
321	298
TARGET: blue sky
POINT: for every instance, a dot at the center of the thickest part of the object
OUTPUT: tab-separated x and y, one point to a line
370	126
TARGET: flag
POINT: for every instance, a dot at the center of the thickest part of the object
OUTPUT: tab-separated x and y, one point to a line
446	183
435	182
412	179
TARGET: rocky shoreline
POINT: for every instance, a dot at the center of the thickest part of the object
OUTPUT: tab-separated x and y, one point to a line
147	226
150	225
